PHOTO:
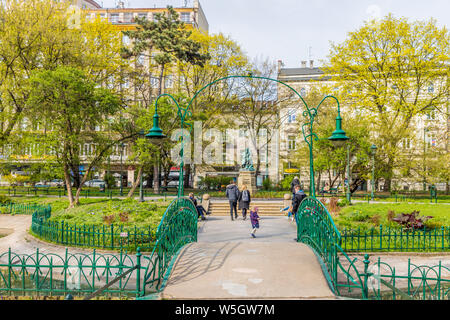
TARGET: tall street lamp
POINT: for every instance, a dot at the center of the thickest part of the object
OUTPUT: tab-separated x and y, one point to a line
425	130
373	148
121	169
349	179
338	137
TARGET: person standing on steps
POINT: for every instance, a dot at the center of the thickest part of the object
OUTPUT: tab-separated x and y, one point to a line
232	193
244	201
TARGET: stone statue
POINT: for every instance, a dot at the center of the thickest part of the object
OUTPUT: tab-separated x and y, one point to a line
247	164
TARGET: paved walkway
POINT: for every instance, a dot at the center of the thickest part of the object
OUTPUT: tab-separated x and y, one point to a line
227	263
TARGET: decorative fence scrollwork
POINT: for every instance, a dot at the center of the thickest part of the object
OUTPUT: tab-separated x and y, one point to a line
177	228
359	278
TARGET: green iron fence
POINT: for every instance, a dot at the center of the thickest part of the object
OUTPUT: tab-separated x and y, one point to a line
24	208
77	274
177	228
395	239
85	193
81	274
353	277
316	228
104	237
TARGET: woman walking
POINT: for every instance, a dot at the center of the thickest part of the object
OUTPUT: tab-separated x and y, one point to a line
244	201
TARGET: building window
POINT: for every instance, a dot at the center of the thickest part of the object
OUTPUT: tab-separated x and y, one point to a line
127	17
431	114
154	82
114	18
125	39
431	88
169	81
302	92
186	17
142	15
141	59
291	143
292	114
406	143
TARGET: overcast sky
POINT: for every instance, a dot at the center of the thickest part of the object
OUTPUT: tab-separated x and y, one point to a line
292	30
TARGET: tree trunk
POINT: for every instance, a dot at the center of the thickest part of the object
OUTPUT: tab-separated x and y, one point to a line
68	183
187	176
135	183
319	176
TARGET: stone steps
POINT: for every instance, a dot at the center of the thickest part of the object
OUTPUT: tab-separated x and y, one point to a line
271	208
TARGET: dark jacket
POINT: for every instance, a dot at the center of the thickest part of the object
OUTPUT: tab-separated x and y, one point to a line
294	183
193	200
244	204
232	192
298	198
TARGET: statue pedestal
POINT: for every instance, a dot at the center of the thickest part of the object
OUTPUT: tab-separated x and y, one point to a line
249	179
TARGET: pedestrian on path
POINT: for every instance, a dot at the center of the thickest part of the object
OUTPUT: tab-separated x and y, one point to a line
299	195
254	219
244	201
232	193
294	182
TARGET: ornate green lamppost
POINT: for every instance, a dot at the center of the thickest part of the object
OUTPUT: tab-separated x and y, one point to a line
155	134
338	137
373	148
121	168
349	179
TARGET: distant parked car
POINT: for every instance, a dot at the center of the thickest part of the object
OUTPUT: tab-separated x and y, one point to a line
41	185
95	183
56	183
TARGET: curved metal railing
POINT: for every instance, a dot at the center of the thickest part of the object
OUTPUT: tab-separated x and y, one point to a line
316	228
177	228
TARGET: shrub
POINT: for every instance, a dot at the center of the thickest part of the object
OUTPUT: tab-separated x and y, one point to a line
213	183
333	205
343	203
5	199
267	184
359	216
411	221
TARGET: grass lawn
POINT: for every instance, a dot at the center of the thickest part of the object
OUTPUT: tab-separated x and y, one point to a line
366	215
97	212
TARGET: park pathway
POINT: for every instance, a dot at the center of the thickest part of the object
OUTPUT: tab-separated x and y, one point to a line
227	263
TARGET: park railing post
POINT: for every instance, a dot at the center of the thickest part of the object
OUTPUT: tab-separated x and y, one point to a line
366	276
138	272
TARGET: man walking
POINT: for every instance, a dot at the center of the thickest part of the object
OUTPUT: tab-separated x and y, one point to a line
232	194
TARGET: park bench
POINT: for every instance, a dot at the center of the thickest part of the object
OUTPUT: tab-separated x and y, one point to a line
333	191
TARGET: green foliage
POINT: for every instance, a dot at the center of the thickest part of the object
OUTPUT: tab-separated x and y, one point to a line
110	181
4	199
267	184
411	221
366	216
213	183
118	212
382	70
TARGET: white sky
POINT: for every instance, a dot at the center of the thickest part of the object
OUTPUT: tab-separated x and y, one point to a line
286	29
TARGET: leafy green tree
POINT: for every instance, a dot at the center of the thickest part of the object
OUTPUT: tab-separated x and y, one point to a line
81	114
164	41
386	69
